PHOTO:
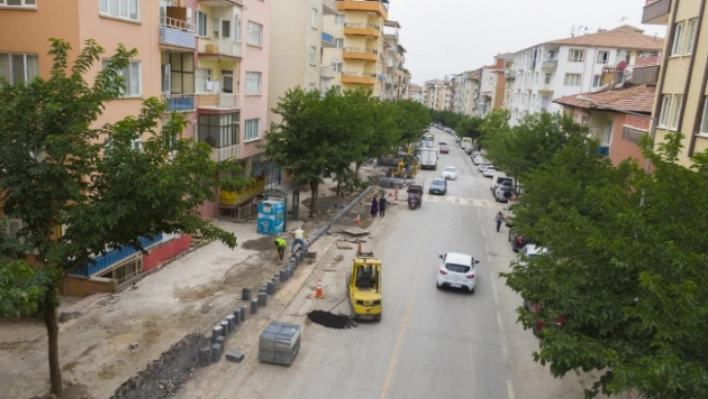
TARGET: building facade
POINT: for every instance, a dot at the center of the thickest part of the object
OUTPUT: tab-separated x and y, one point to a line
682	89
572	66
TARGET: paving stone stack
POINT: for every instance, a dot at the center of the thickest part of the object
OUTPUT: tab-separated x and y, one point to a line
279	343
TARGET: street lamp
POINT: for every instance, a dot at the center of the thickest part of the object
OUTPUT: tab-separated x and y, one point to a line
652	133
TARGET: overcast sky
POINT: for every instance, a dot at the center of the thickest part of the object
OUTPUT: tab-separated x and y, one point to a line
444	37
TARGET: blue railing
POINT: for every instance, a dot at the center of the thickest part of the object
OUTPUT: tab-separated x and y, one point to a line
112	257
604	150
179	102
327	38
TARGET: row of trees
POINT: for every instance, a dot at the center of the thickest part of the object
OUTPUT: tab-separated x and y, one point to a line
324	134
464	125
57	168
628	260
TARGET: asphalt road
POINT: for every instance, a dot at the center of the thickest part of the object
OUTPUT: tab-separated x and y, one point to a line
431	343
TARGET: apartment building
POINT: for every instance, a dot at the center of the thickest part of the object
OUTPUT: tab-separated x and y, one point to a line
396	77
358	31
682	87
572	66
437	94
415	93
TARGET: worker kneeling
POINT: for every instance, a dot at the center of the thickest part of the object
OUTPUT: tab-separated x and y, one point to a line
280	244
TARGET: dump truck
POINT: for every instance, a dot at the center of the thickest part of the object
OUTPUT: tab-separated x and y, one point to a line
364	287
429	158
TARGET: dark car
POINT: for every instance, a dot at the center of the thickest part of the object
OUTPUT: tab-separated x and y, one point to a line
438	186
517	241
538	325
444	150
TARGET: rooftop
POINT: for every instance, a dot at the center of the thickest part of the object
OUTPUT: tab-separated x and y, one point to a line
625	36
635	99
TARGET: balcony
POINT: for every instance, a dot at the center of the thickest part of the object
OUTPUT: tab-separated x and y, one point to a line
328	40
510	74
222	3
359	29
224	153
359	78
328	72
217	101
645	75
379	7
549	64
237	197
604	150
179	102
178	33
219	48
329	7
361	54
547	88
656	12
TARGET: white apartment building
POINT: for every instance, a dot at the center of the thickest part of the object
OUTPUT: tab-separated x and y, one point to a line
571	66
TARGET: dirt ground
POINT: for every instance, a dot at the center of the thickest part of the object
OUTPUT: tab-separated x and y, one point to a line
117	336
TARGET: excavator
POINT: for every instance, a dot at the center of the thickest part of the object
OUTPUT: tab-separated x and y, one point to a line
404	166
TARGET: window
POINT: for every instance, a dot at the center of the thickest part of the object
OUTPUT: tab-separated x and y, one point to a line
227	79
17	68
202	79
608	131
603	57
131	75
575	55
216	26
18	3
202	24
252	129
678	39
338	67
237	29
676	111
690	35
219	131
665	108
313	18
339	43
337	89
596	80
253	83
704	121
181	68
572	79
339	20
313	55
548	79
137	144
127	9
225	28
311	87
255	34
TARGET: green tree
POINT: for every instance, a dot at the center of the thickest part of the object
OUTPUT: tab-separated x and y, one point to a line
411	118
469	127
56	170
384	135
631	280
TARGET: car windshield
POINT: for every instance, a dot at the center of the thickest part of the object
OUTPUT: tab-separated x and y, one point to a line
450	169
457	268
438	182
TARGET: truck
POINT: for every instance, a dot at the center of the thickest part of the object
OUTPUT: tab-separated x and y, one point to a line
429	158
466	143
364	287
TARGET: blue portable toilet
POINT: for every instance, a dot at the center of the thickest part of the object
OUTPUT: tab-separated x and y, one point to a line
271	215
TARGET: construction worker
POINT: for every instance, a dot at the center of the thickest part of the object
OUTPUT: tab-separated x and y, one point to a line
300	237
280	244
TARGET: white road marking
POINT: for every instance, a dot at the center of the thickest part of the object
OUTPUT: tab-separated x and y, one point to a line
502	340
510	389
460	201
483	234
486	248
479	213
494	291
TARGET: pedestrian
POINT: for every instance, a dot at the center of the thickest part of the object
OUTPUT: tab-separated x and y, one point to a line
382	205
280	244
300	237
499	219
374	207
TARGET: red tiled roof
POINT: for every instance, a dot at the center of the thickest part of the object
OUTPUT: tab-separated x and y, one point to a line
625	36
636	99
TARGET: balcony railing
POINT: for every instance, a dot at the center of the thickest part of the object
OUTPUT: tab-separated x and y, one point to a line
224	153
328	72
328	39
510	74
550	63
361	29
361	26
329	7
360	50
227	47
217	101
604	150
656	12
378	6
237	197
176	32
179	102
360	74
646	75
112	257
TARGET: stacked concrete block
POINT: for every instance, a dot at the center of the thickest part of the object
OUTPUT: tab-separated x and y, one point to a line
284	276
246	294
254	306
232	322
205	356
216	332
235	356
237	316
270	288
279	343
216	350
225	326
262	299
220	340
243	313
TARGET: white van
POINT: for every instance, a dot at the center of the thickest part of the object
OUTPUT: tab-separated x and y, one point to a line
498	178
466	143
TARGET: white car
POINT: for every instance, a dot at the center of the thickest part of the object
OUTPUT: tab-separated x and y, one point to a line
449	173
488	171
457	271
482	165
442	142
478	160
530	251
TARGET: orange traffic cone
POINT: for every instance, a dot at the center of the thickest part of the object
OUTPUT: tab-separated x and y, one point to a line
318	292
357	221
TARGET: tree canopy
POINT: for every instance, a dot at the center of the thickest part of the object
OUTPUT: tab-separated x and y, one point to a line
469	127
81	189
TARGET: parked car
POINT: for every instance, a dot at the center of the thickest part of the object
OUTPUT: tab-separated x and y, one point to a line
444	149
438	186
508	214
517	241
457	271
482	165
475	154
529	251
539	324
449	173
488	171
497	179
478	160
503	193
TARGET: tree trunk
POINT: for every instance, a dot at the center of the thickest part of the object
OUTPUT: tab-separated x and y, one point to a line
356	171
339	187
50	321
313	190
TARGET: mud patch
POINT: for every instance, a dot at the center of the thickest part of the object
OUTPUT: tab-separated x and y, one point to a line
261	244
162	378
331	320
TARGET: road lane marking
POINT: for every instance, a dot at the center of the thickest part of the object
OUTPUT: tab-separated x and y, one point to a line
489	260
463	201
494	290
479	213
486	248
411	301
483	234
510	389
502	340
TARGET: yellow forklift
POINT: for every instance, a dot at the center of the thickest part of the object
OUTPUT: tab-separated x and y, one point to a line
364	287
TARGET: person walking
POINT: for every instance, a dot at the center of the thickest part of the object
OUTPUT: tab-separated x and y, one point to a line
499	219
382	205
280	244
300	237
374	207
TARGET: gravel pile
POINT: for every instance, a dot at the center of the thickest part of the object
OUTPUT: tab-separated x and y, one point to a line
331	320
